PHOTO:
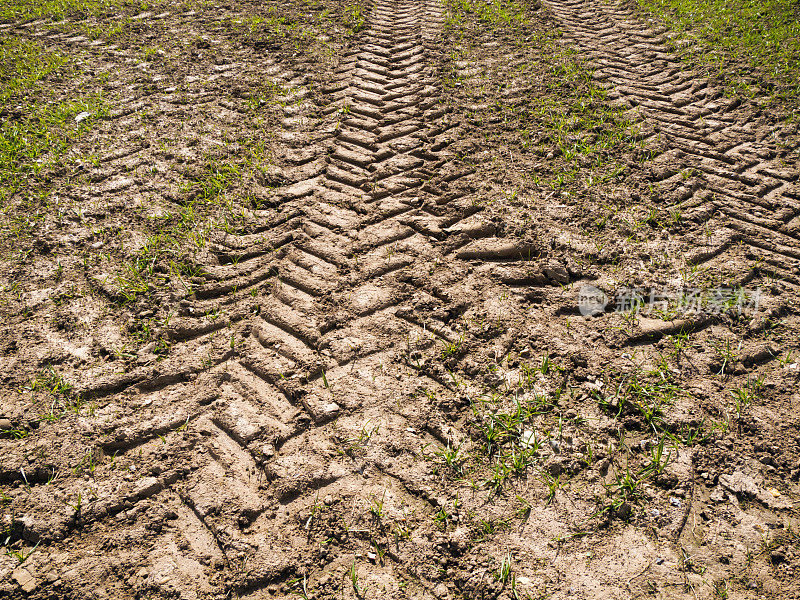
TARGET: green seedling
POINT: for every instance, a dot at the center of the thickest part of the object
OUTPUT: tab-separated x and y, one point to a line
358	589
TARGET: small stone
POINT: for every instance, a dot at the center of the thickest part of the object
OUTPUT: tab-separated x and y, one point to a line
522	580
556	272
273	176
440	591
527	439
5	424
24	579
328	500
371	556
331	409
674	502
459	539
717	495
740	484
82	116
147	487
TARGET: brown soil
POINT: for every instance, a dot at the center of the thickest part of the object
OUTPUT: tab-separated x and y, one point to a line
379	312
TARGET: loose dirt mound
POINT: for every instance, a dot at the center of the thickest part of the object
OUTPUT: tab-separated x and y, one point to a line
309	315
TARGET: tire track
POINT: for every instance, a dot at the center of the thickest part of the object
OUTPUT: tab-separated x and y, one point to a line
721	162
291	327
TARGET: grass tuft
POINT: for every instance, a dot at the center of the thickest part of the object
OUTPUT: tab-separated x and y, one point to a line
755	41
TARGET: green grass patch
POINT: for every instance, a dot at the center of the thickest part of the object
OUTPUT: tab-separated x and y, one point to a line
755	41
578	121
35	141
23	64
35	131
28	10
95	19
355	18
309	27
564	114
210	203
502	13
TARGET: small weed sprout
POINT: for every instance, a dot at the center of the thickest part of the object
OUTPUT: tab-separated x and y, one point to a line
358	589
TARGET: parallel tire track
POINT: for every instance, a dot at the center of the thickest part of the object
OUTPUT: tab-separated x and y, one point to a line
292	374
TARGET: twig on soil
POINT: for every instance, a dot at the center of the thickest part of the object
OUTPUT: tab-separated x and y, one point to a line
639	574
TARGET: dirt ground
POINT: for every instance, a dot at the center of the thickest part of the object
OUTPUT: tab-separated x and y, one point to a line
401	299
